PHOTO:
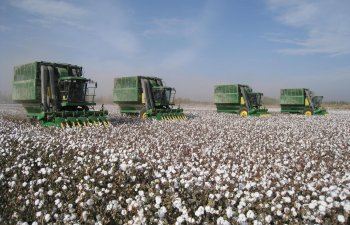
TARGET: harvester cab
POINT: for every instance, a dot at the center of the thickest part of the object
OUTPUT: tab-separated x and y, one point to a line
155	95
251	103
301	101
163	96
239	99
146	96
255	99
314	103
57	94
76	92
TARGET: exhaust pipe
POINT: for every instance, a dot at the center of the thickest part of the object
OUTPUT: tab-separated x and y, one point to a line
53	88
44	74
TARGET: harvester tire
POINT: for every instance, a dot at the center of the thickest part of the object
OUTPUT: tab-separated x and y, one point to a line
308	112
243	112
143	115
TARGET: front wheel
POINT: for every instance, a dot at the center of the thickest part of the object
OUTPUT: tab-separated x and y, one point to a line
243	112
308	112
143	114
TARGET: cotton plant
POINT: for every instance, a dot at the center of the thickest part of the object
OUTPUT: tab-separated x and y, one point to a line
279	169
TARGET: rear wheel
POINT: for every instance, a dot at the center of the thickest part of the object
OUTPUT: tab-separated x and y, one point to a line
243	112
308	112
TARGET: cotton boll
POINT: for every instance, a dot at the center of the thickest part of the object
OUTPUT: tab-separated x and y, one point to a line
38	214
90	202
229	212
161	212
200	211
346	206
313	204
84	215
222	221
241	218
341	219
47	217
287	199
250	214
322	209
269	193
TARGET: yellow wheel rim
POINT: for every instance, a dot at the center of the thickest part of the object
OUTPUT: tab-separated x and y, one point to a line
243	113
308	113
143	116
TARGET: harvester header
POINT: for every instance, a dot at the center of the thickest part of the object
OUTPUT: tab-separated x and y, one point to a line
147	97
56	94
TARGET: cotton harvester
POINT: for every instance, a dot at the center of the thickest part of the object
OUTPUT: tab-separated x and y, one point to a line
147	97
57	94
301	101
239	99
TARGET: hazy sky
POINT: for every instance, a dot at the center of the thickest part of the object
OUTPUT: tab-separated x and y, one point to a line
191	44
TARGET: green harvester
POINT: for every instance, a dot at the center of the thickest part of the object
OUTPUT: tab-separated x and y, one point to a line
239	99
147	97
57	94
301	101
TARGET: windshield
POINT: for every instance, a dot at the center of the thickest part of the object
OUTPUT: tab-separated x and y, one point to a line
163	96
76	72
72	90
255	99
316	101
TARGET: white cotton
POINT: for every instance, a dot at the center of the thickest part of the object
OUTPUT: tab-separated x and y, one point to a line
329	199
229	212
123	166
90	202
268	219
85	215
313	205
158	200
177	203
38	214
346	206
287	199
269	193
241	218
161	212
200	211
322	209
222	221
341	219
250	214
47	217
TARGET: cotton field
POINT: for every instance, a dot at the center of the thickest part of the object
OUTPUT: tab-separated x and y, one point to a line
211	169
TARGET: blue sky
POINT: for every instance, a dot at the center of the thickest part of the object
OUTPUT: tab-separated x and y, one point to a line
192	44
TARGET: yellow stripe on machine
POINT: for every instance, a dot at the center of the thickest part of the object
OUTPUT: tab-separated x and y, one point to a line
242	101
307	103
